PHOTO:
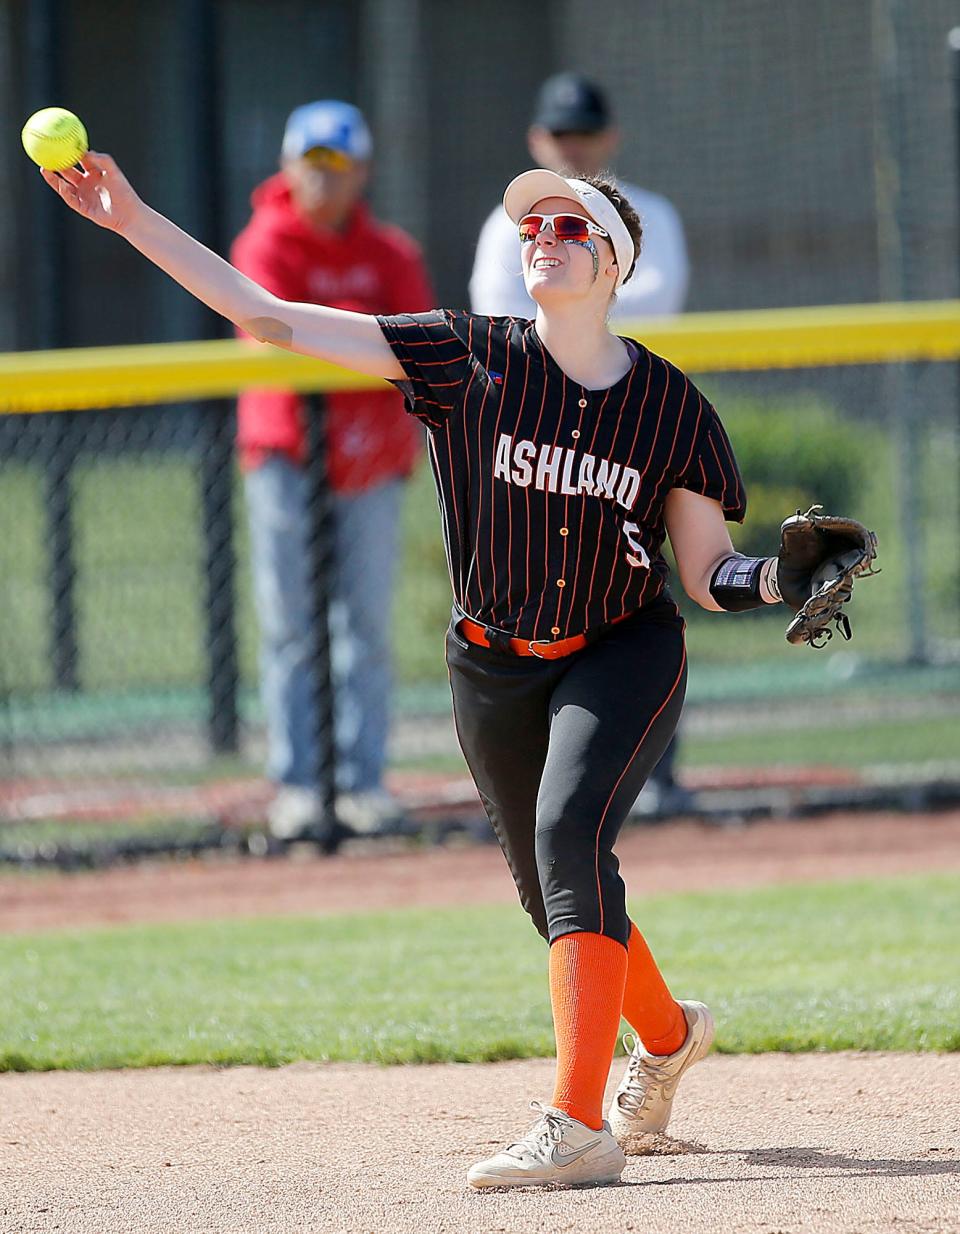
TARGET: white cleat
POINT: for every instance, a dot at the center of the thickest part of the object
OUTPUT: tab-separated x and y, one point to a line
370	811
641	1105
558	1149
293	811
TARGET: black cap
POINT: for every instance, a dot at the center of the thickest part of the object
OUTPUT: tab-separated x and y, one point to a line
570	103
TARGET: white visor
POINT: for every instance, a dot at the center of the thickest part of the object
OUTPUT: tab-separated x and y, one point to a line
529	187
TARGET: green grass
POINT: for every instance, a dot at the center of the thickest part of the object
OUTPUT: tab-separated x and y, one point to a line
866	965
82	834
863	743
860	743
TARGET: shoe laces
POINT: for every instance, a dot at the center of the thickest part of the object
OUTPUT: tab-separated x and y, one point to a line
643	1078
546	1131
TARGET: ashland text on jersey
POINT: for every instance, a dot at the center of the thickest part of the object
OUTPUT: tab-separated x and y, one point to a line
555	469
551	495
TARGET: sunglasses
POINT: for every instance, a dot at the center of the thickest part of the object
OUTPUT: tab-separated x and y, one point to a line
566	227
325	159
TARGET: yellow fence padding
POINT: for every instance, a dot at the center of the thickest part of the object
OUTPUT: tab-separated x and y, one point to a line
81	378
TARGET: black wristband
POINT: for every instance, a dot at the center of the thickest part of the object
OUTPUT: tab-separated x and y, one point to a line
736	583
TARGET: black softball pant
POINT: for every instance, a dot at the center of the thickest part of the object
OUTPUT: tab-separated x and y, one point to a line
559	750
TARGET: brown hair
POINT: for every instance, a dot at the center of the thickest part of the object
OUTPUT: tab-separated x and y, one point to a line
631	220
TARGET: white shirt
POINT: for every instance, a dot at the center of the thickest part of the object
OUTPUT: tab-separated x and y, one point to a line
657	288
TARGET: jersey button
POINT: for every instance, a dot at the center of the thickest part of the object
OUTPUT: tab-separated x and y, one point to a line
582	403
554	629
564	531
575	434
561	582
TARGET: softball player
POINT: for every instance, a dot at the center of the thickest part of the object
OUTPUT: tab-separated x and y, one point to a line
563	455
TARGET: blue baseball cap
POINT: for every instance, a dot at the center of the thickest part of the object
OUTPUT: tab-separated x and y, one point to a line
330	124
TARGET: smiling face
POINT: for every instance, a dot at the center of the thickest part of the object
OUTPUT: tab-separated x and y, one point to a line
554	271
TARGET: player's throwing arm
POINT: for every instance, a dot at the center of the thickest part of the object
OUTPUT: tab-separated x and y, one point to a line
99	191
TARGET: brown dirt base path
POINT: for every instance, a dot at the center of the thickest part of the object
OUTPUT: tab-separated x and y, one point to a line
774	1144
777	1144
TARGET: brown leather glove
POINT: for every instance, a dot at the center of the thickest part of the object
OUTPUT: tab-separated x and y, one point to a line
820	556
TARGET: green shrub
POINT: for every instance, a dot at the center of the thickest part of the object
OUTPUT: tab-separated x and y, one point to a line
792	453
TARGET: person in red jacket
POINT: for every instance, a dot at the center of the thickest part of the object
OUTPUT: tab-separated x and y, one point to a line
312	238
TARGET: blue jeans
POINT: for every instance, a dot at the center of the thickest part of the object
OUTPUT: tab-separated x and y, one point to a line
366	547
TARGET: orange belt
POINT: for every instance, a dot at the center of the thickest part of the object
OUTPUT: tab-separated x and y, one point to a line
475	633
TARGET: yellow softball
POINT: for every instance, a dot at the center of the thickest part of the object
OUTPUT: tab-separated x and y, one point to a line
54	138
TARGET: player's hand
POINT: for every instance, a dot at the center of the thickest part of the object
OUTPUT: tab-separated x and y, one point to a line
98	190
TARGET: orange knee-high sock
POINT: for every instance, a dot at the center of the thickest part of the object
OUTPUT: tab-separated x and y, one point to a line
648	1006
587	973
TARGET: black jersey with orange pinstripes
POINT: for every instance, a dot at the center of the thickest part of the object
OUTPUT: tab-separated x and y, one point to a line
552	494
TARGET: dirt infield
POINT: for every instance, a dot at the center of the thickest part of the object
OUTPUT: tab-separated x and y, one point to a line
811	1144
839	1144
